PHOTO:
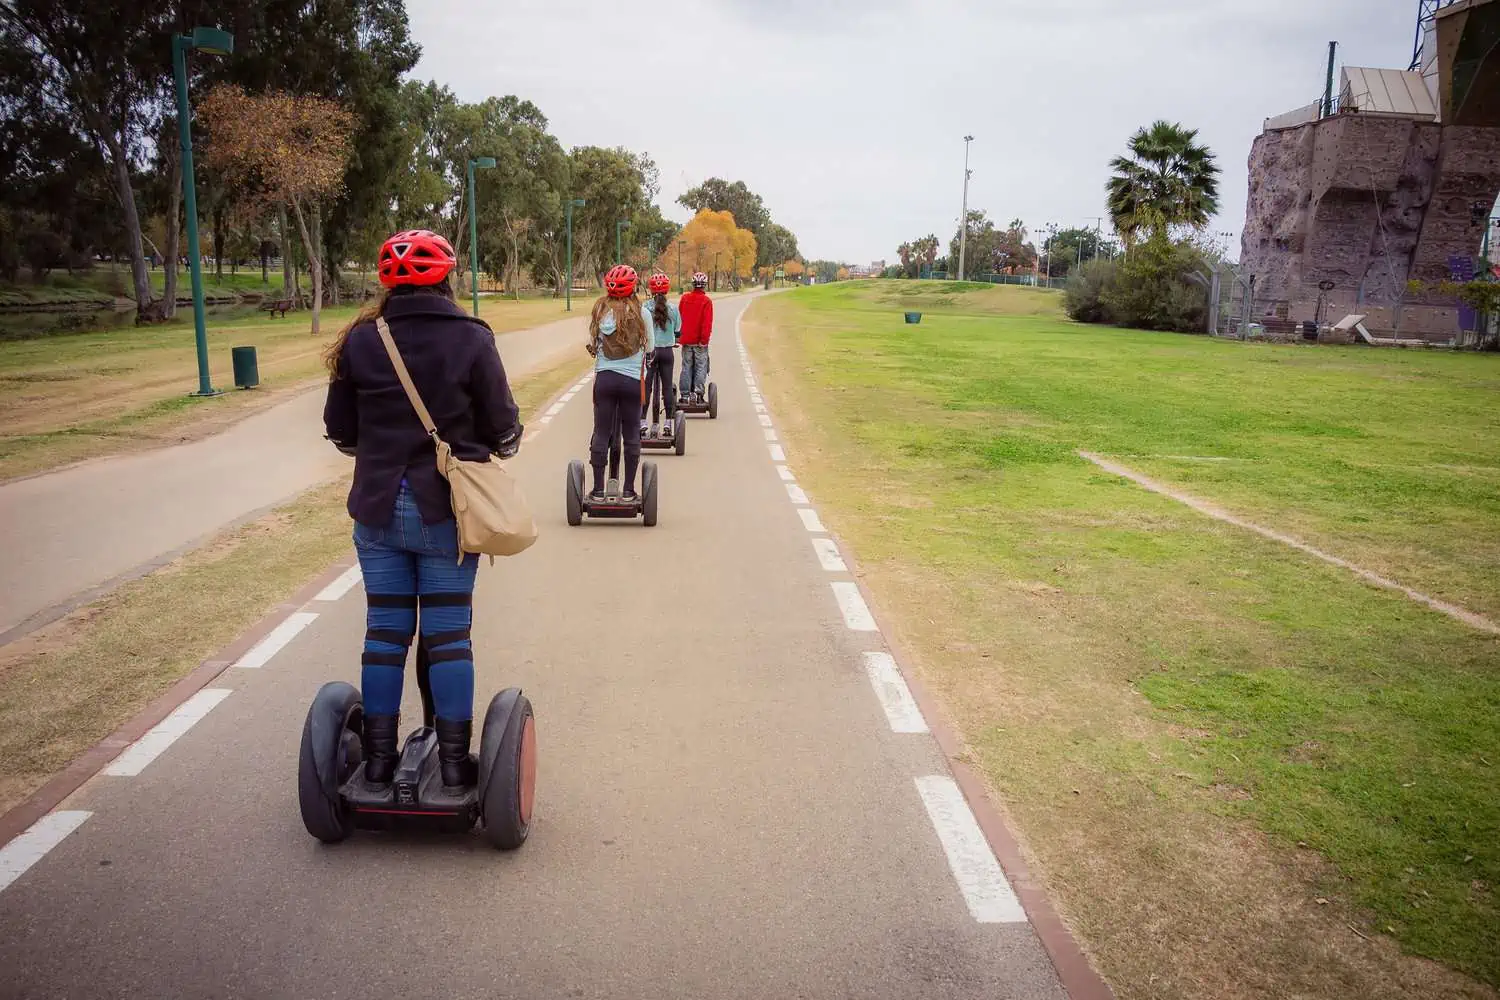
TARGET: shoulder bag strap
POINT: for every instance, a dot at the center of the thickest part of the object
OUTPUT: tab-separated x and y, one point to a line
405	377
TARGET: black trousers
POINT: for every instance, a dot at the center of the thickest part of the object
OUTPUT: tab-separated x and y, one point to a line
659	385
617	413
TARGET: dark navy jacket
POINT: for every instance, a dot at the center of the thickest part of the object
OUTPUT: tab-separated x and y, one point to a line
457	371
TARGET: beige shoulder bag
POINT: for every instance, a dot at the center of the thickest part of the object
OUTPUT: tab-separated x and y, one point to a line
493	516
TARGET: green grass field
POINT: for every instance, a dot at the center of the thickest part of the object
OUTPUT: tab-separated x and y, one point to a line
1265	768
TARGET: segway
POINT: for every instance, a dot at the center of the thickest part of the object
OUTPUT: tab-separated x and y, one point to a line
707	403
614	506
671	436
336	800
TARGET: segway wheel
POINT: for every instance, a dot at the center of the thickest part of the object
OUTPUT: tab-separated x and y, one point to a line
679	433
713	401
648	493
329	756
507	769
575	493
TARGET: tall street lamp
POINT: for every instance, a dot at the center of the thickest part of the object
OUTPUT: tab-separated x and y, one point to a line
680	245
716	270
572	204
963	215
650	255
483	163
215	43
619	251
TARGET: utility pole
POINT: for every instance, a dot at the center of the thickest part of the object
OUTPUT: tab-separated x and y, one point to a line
963	215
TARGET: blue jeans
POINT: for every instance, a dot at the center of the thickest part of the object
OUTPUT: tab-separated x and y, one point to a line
408	564
694	368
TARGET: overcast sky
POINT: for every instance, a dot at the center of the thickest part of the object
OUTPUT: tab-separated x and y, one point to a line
848	116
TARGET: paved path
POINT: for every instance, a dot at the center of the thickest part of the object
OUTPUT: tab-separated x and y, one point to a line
77	533
725	807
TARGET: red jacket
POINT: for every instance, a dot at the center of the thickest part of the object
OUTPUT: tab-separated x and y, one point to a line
697	311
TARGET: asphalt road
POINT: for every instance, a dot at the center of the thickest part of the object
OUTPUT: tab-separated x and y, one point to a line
725	808
73	534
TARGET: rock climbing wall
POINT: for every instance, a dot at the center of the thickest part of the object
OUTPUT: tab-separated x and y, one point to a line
1366	203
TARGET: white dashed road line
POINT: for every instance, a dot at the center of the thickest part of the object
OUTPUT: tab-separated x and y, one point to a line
828	555
30	847
146	749
272	644
895	697
988	895
810	519
778	454
795	493
340	586
852	603
785	474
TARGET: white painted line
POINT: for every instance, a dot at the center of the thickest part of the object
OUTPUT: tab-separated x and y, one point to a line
567	396
770	434
162	735
555	409
778	454
987	893
828	555
795	493
578	386
760	407
901	709
856	612
756	397
30	847
785	474
341	586
810	519
543	421
279	637
764	418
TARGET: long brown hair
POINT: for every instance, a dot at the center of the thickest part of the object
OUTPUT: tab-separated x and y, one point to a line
368	314
659	310
630	325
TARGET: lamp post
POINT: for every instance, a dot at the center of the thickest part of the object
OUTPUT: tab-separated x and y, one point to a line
963	215
716	270
572	204
619	246
217	43
650	255
680	245
483	163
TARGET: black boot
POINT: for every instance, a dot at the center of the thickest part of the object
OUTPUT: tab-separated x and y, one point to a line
381	748
460	769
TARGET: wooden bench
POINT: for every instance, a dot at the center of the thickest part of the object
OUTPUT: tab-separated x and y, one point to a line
278	306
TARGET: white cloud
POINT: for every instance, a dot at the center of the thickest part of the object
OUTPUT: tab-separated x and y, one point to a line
847	117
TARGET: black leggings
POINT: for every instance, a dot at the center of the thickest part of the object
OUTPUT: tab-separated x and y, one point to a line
617	412
660	388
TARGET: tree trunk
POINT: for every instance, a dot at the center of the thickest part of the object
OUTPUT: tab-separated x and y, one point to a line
333	284
219	240
287	277
312	240
139	277
174	240
265	264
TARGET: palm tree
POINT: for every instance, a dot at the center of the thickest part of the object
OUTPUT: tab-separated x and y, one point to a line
1167	180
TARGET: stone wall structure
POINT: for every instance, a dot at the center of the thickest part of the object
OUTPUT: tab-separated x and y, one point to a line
1362	202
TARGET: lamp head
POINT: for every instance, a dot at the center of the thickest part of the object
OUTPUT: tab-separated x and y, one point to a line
213	41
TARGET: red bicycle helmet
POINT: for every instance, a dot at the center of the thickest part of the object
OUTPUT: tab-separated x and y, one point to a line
700	279
659	284
416	257
620	281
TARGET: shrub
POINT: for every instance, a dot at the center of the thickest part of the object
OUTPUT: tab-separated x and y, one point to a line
1083	296
1150	290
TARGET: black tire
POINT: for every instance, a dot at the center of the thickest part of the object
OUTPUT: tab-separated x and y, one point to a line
329	755
648	493
508	770
679	433
713	401
575	493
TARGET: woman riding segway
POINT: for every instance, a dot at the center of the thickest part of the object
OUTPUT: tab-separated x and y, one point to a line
617	341
665	322
404	531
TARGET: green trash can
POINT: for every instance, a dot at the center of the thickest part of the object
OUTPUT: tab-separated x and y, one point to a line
913	317
246	371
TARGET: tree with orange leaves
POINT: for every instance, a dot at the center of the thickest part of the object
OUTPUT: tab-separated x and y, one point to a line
289	149
713	241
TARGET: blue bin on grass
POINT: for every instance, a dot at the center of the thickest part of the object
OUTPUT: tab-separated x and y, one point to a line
914	317
246	370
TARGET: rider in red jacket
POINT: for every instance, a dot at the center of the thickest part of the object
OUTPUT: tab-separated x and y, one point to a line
697	311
